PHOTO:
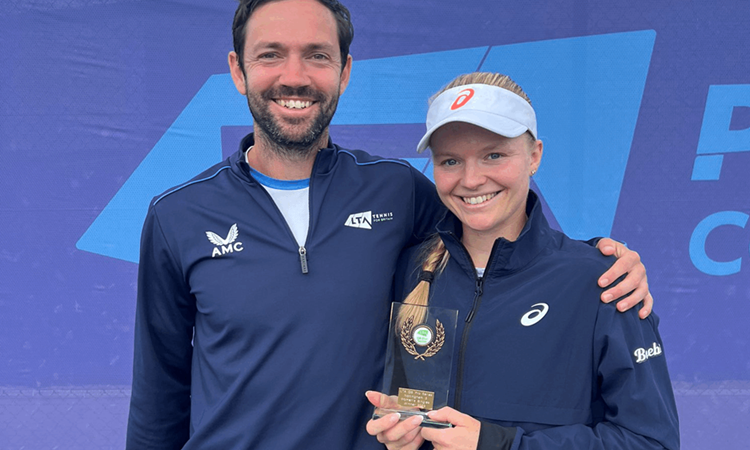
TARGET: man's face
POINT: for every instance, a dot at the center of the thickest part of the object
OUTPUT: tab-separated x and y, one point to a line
293	73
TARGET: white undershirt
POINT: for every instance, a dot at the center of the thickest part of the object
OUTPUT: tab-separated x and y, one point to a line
292	197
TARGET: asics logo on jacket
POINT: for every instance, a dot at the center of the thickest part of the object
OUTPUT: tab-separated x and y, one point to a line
535	315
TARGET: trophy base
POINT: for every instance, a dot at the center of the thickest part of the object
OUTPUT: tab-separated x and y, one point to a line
426	421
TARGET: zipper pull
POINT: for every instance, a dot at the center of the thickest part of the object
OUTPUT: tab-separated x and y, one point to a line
303	259
477	295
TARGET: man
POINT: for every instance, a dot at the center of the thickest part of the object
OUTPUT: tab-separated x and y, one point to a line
264	282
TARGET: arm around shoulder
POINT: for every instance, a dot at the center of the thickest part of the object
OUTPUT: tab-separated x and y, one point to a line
633	289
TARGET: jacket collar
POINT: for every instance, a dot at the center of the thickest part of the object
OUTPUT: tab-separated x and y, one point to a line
506	256
324	161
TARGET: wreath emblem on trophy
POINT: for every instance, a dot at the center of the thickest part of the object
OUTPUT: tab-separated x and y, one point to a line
423	336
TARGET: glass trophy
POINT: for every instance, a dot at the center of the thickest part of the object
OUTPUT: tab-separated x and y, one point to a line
418	361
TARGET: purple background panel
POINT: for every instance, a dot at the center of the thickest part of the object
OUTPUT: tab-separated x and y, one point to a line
89	87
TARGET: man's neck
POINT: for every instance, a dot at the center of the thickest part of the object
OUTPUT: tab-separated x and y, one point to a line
283	164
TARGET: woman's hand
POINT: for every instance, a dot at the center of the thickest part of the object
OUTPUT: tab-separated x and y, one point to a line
396	434
628	261
463	436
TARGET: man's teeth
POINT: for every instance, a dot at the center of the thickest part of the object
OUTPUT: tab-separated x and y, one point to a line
294	104
478	200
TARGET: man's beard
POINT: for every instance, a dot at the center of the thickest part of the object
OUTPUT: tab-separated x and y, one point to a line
283	142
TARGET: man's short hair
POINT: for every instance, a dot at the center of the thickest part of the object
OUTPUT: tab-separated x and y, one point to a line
247	7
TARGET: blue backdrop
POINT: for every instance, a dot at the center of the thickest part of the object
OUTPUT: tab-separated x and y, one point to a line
644	109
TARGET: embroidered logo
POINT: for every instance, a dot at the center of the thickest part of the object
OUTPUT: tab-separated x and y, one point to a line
365	219
463	98
643	354
225	245
535	315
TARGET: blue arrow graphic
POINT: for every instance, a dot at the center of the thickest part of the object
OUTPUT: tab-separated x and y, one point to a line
587	94
586	91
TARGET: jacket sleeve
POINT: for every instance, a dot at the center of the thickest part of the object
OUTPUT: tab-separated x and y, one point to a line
636	401
497	437
159	415
593	241
428	209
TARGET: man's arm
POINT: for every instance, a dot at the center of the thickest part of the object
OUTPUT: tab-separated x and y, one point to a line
165	314
634	287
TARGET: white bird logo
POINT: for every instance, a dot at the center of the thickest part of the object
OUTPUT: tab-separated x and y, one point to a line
217	240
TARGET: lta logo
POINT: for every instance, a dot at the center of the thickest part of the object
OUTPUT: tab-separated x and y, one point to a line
360	220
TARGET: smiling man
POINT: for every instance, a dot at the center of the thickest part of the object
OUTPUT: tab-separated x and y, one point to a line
292	73
267	338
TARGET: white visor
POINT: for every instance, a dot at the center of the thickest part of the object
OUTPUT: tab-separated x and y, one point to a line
490	107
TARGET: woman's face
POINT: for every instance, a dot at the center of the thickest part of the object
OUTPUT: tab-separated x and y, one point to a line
483	178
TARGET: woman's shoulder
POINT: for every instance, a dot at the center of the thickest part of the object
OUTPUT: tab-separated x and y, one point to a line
581	253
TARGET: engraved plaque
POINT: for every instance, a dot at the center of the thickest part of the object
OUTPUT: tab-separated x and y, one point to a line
415	398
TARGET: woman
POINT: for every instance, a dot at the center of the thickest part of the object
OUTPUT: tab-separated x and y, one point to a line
540	362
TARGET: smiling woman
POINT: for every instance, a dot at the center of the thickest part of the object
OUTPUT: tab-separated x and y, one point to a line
482	133
483	178
541	363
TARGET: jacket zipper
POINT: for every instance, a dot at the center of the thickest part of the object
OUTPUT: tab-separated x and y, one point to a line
303	258
478	292
301	250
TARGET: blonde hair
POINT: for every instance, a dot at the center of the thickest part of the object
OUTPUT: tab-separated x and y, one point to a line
490	78
435	256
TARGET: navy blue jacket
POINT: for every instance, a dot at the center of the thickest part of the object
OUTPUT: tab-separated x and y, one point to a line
236	347
539	360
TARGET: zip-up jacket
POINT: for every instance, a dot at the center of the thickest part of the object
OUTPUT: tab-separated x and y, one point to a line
244	339
539	360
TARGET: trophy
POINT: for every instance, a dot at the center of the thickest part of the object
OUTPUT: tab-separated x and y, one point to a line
418	361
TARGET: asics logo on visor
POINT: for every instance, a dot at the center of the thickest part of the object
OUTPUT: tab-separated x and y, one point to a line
462	99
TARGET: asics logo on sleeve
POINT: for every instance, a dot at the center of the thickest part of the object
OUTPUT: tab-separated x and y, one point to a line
536	314
225	245
643	354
